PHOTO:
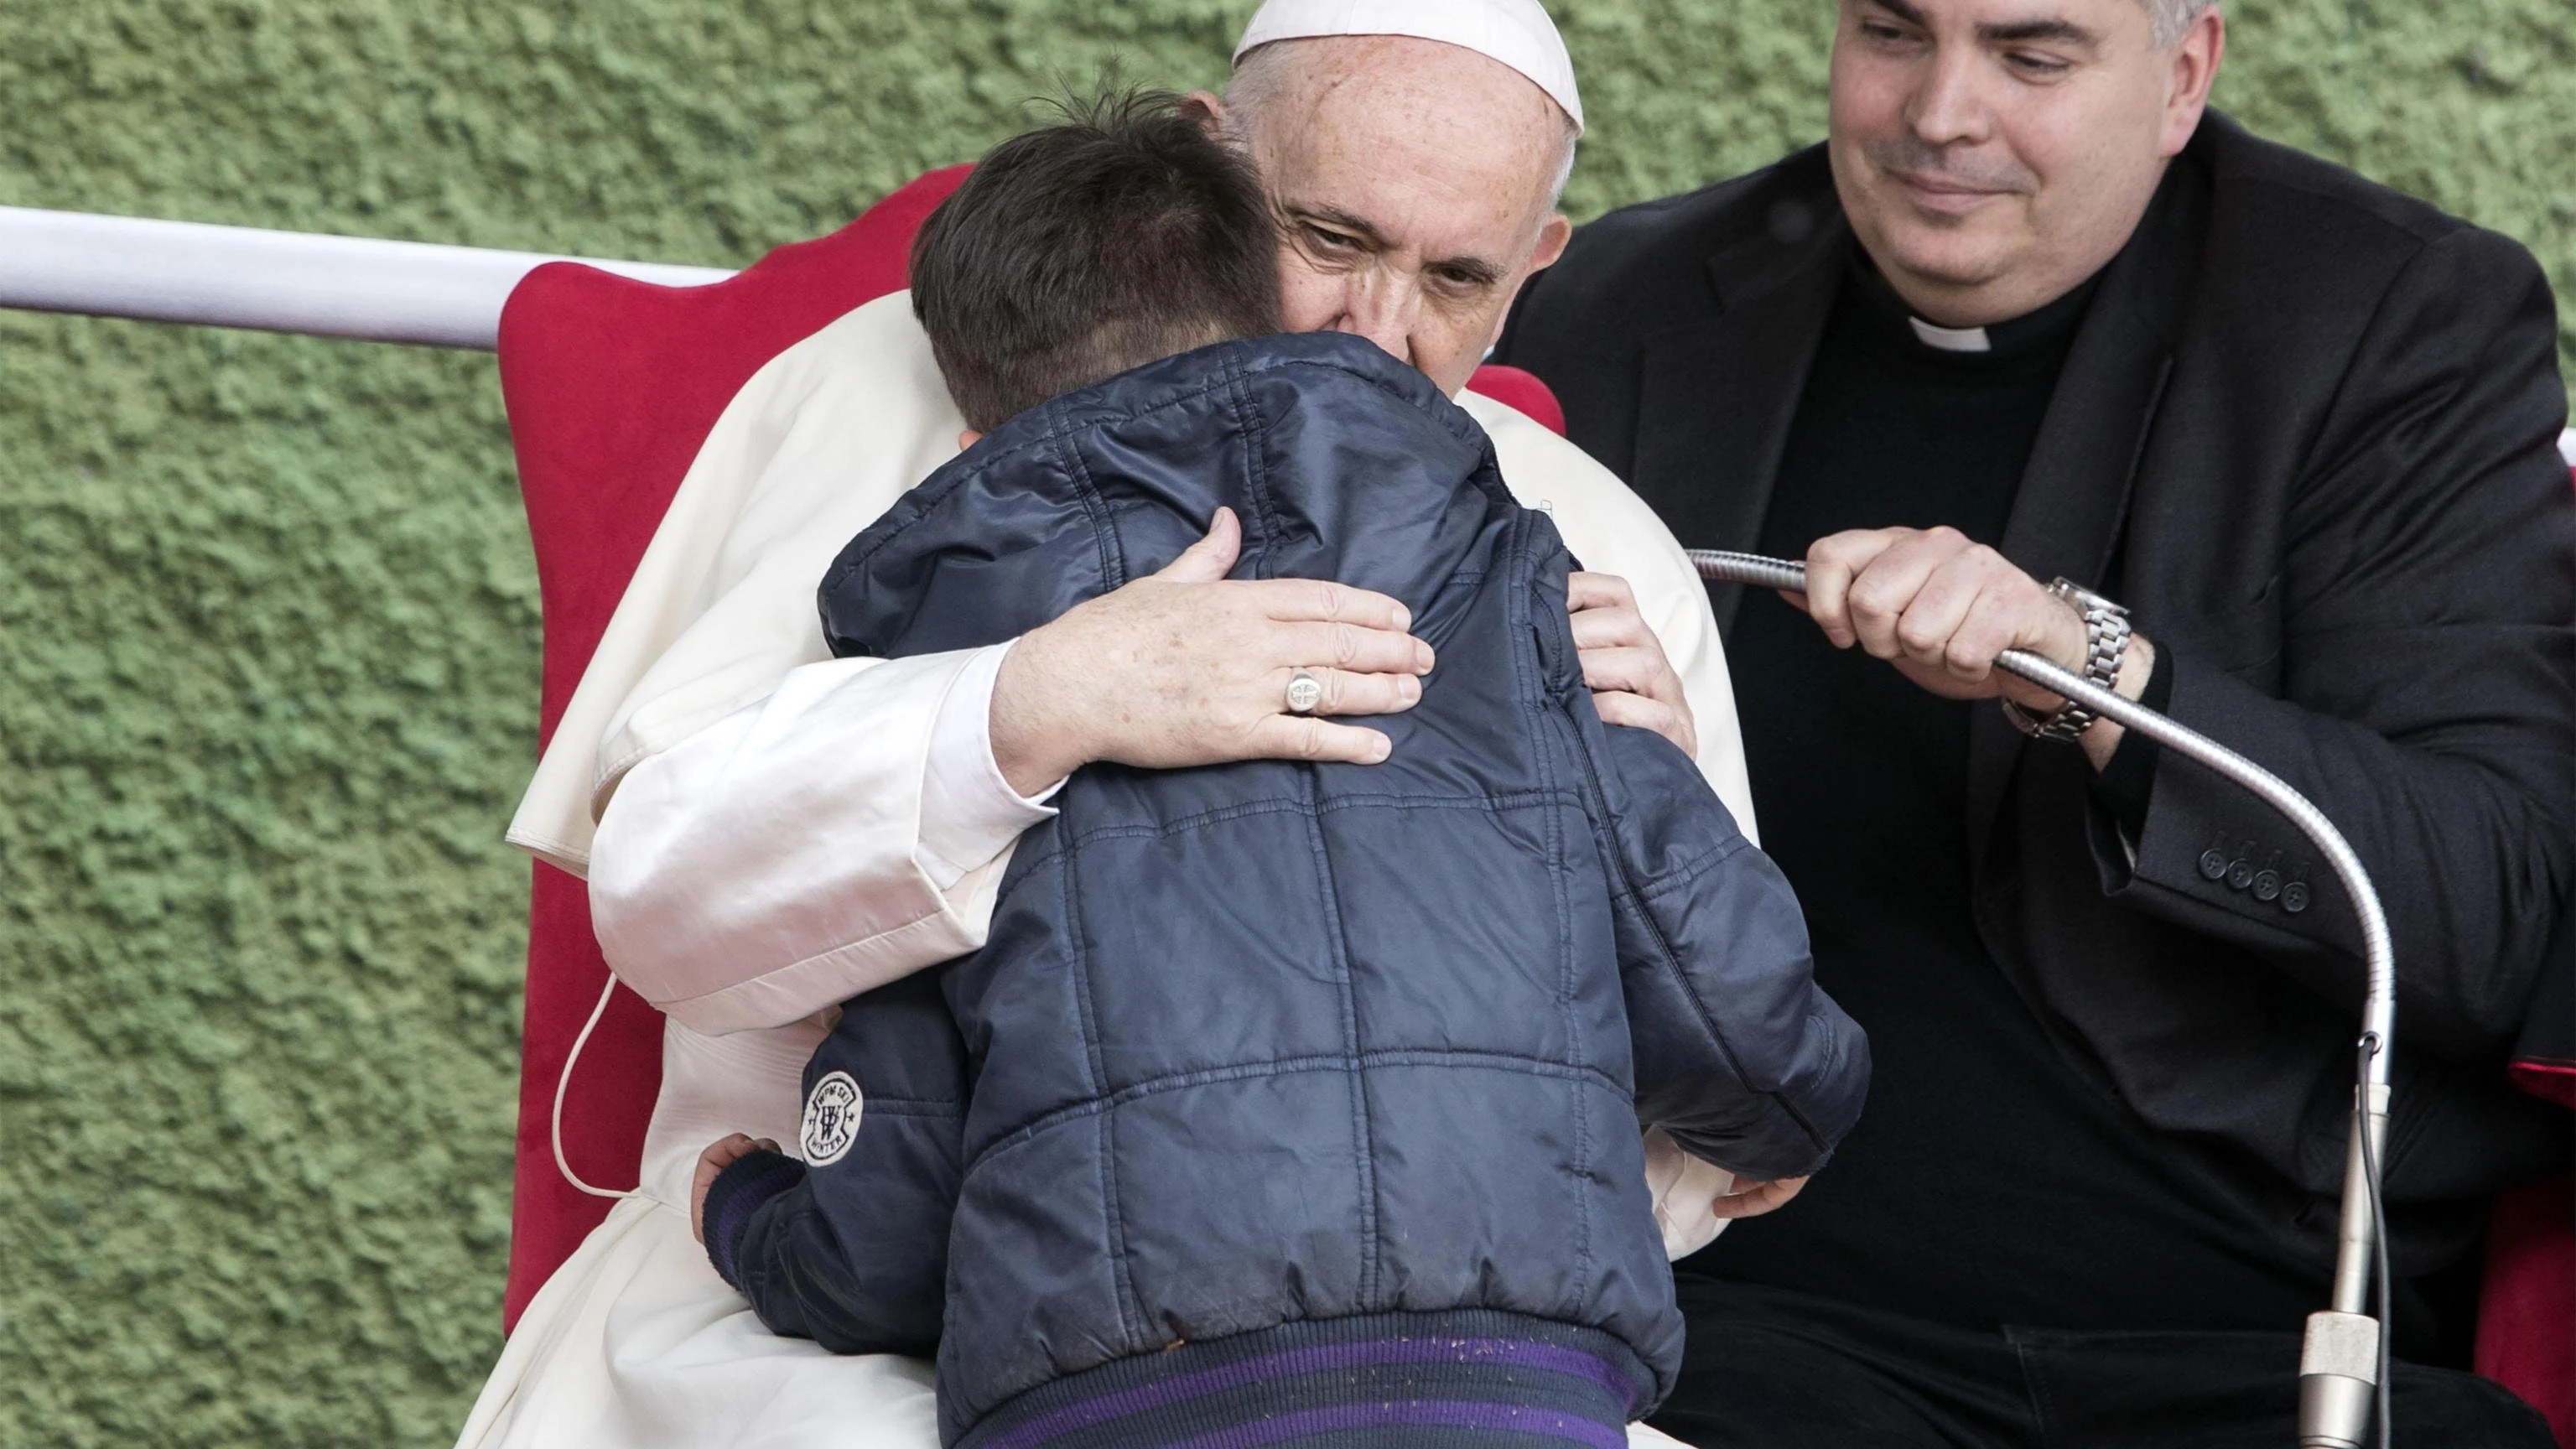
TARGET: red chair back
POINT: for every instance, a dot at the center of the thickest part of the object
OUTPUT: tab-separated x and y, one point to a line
612	386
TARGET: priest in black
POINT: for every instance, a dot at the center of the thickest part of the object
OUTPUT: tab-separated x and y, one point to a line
2288	439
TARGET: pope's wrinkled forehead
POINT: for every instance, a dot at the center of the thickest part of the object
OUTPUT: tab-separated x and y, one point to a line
1430	146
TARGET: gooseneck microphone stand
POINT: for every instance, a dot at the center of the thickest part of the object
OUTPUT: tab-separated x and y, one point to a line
2344	1363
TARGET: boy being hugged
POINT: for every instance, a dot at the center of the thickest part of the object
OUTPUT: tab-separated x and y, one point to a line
1286	1103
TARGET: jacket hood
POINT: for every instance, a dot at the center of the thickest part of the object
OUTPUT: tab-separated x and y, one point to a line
1341	461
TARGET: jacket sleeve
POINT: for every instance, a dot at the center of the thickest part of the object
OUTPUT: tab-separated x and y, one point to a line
2426	695
1740	1056
808	847
851	1249
1612	531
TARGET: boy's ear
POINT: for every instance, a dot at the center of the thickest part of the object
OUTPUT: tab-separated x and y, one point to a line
968	439
1207	108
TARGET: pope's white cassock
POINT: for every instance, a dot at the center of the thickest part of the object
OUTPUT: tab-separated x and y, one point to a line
777	831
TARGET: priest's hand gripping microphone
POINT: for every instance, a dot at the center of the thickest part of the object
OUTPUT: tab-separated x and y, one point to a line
2344	1363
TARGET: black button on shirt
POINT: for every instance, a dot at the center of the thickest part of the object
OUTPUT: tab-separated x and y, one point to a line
1989	1181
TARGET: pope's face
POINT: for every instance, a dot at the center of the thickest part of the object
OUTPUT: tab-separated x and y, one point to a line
1413	184
1993	154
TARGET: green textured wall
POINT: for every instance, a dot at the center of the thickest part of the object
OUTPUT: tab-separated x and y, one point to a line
268	630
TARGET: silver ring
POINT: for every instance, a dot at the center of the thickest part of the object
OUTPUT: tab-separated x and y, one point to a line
1304	692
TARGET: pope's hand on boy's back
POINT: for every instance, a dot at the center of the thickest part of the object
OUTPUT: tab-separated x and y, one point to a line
1188	667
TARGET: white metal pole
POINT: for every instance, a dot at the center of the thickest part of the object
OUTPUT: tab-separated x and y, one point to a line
275	281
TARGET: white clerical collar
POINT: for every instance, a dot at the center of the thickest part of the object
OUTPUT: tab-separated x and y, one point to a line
1952	339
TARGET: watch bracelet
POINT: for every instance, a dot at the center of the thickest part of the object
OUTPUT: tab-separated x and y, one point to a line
2106	647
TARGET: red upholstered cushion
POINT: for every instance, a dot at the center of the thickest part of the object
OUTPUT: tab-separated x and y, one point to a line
1522	390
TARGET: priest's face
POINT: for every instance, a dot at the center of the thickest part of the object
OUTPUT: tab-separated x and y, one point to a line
1993	154
1415	188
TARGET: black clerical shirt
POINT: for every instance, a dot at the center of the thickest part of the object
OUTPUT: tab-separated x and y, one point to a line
1991	1180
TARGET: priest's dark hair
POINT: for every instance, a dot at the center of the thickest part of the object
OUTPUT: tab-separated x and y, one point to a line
1077	251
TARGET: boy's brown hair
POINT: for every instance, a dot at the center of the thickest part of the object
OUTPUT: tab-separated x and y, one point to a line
1077	251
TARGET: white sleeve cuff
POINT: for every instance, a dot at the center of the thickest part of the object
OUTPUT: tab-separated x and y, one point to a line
969	812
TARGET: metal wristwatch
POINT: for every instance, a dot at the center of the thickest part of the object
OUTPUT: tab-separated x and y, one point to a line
2106	643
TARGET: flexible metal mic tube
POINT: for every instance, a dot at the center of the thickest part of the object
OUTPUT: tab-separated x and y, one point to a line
2342	1365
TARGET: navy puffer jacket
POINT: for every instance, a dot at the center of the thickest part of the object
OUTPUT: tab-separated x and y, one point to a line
1279	1048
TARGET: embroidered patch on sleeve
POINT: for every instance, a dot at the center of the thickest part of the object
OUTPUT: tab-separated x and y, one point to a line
831	1120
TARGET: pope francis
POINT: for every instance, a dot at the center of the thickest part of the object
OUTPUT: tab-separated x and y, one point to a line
768	831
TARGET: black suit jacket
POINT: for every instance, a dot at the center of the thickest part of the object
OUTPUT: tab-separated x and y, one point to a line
2307	432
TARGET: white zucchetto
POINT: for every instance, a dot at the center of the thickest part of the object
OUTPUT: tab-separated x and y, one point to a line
1514	32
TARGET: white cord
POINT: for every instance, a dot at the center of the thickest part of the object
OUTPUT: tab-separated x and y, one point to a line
563	1079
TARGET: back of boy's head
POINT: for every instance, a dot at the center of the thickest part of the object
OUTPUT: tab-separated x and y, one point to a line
1078	251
